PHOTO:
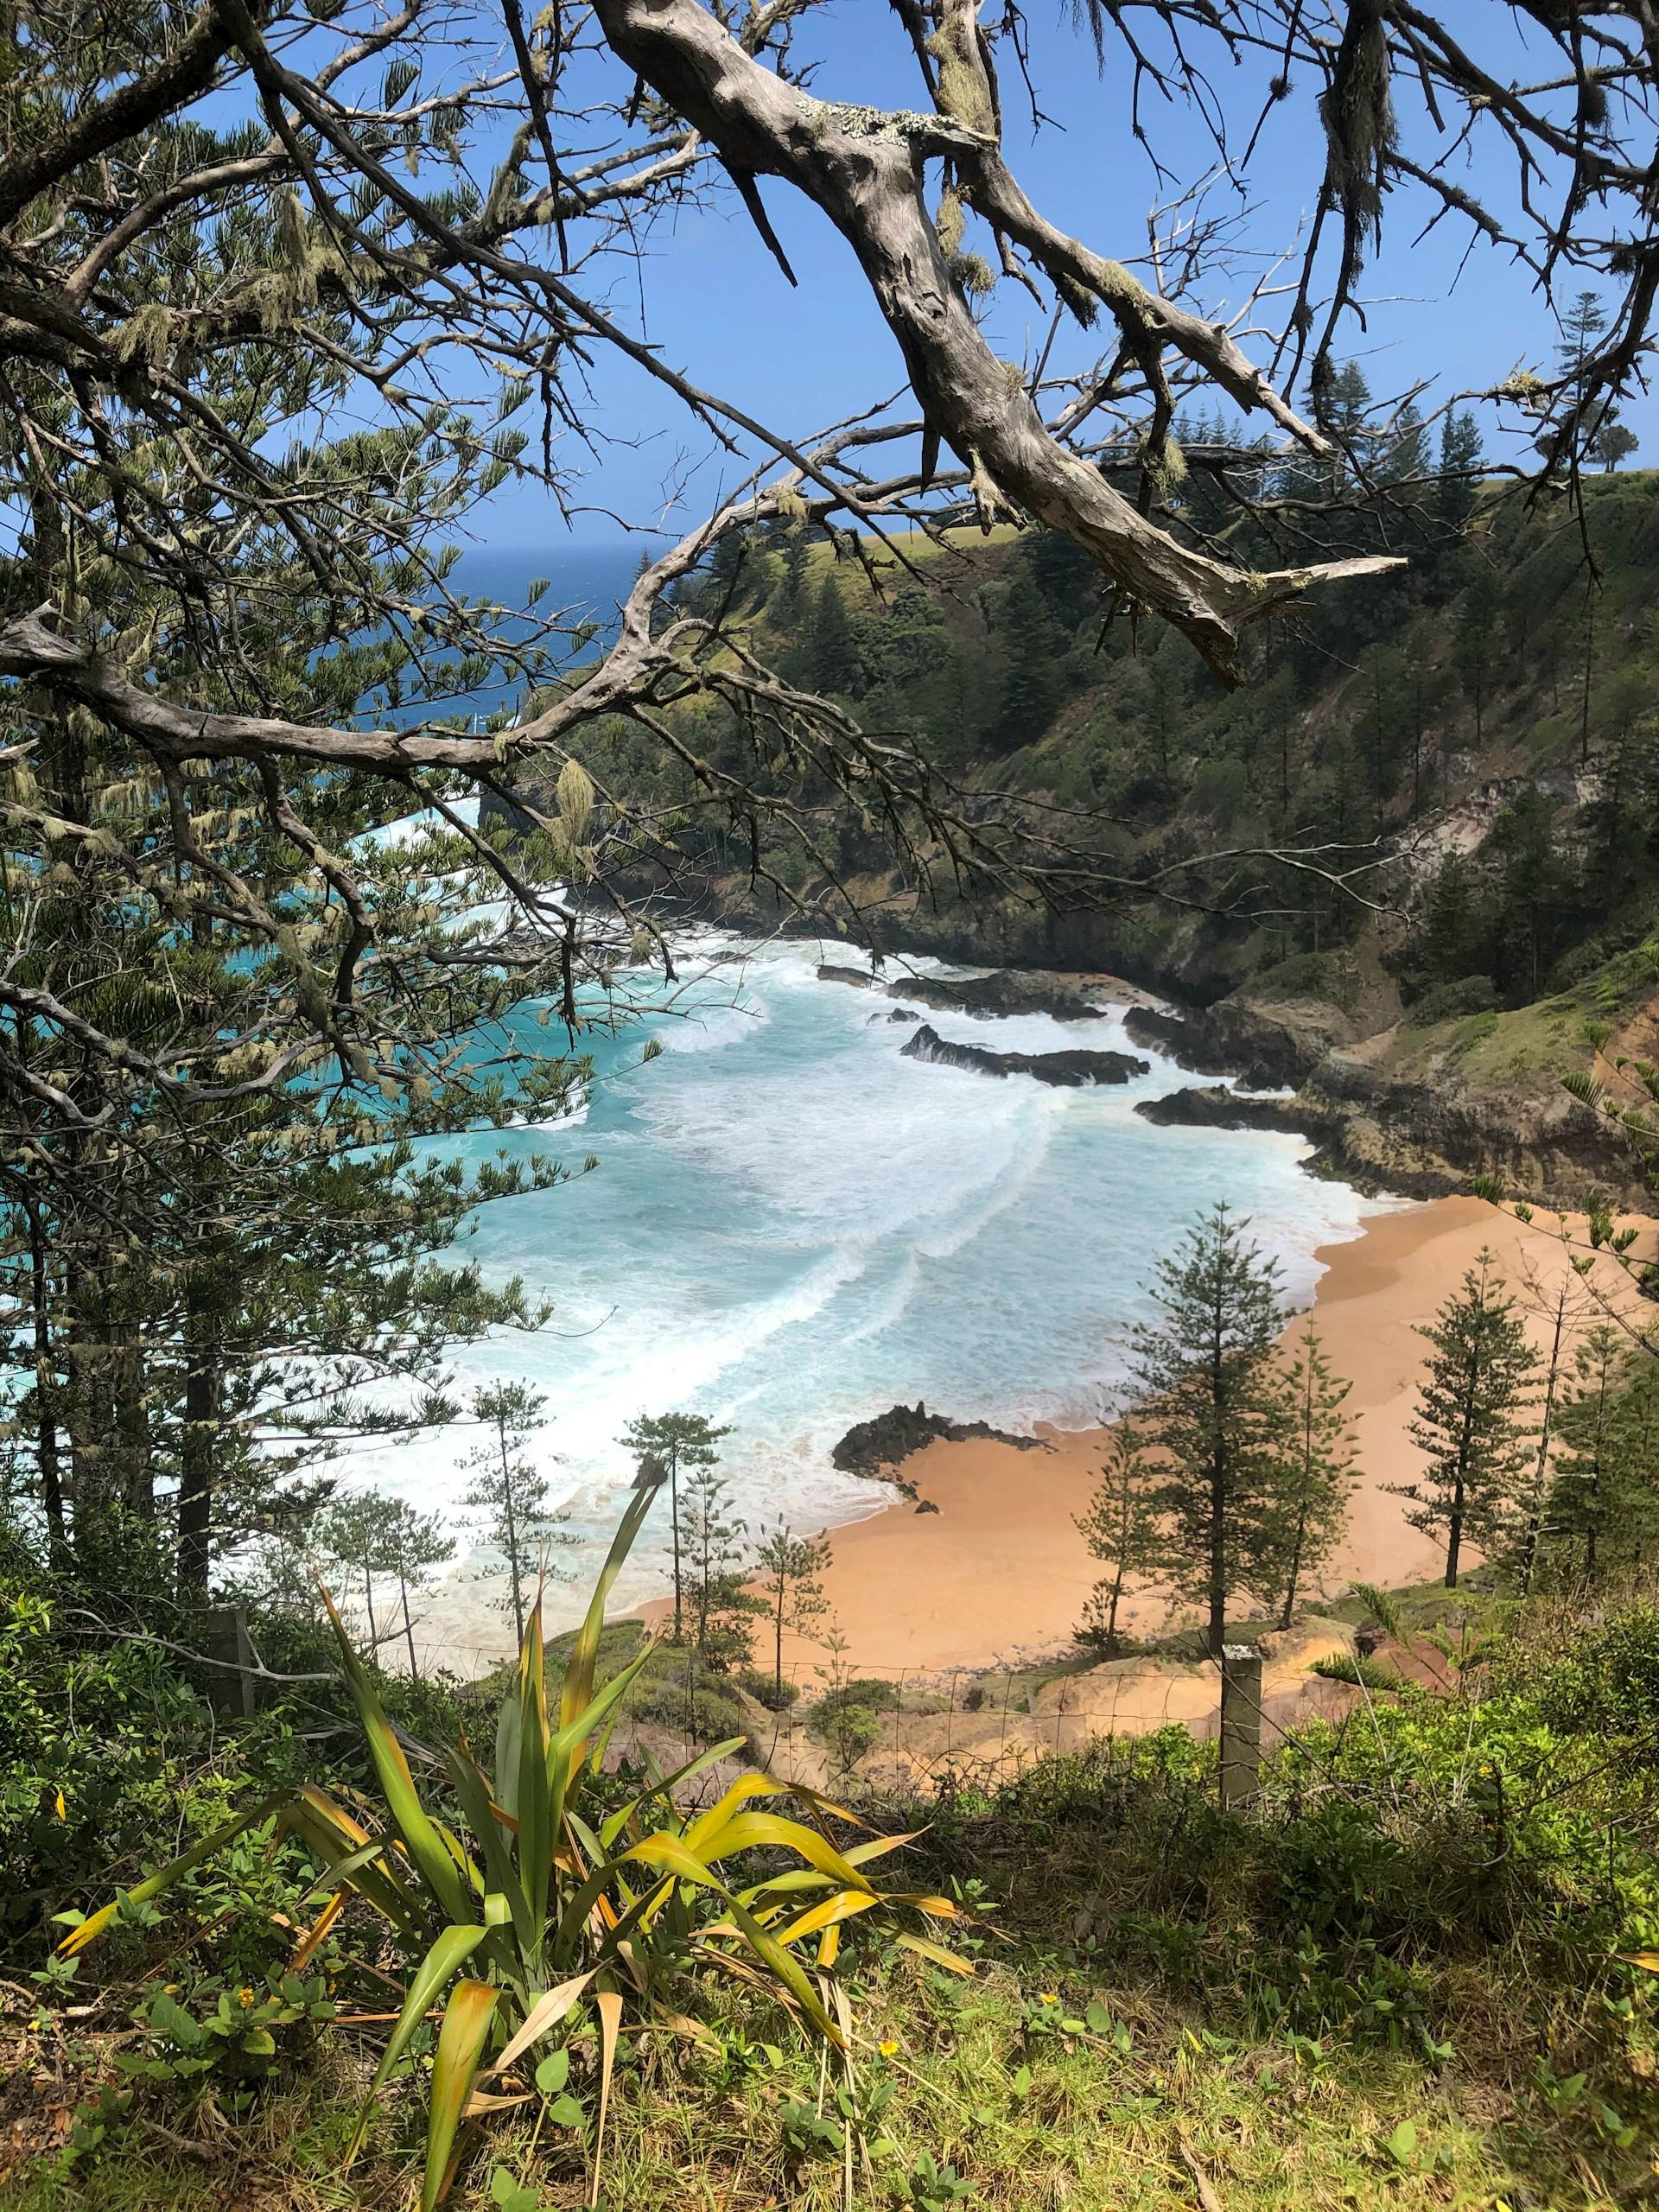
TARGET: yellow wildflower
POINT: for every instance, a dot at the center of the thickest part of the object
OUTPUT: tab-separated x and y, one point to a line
889	2048
1048	1997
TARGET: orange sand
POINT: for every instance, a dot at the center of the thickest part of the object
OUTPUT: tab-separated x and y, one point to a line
999	1573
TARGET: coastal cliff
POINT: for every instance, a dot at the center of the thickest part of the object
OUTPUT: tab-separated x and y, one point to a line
1421	1112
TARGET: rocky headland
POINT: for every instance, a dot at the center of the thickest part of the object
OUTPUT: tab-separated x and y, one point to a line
1215	1107
1393	1104
1418	1112
1415	1111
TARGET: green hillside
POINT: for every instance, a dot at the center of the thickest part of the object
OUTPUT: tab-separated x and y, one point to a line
1469	746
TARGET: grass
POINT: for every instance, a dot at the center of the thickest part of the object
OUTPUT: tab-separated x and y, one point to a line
1065	2120
1031	2116
1114	2052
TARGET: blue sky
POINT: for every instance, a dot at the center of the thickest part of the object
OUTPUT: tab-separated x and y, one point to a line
718	306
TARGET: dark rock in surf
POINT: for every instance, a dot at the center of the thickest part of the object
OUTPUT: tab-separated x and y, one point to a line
1009	991
859	978
1263	1047
1171	1034
877	1446
1071	1071
1214	1107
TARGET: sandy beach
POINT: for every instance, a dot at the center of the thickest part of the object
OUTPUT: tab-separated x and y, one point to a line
999	1574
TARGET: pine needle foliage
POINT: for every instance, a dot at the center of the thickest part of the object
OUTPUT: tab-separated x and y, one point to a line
1216	1413
1121	1528
1320	1450
1471	1421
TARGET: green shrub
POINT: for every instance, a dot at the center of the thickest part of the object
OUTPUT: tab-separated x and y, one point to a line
1220	788
766	1690
1453	1001
1355	1667
101	1746
1608	1684
861	1689
1327	976
849	1717
676	1691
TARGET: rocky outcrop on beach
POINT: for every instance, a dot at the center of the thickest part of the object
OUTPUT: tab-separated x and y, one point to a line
1426	1129
1070	1070
1267	1044
1417	1114
1419	1111
878	1446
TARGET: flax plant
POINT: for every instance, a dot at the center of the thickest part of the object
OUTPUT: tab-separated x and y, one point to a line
534	1903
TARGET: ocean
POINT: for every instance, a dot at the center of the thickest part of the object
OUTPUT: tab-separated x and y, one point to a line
791	1227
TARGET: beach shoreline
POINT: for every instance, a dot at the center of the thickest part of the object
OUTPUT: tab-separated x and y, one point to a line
997	1575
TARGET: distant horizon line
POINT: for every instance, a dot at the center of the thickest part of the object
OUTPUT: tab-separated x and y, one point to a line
571	545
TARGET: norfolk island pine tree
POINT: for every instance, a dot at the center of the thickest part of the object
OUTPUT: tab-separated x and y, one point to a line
1217	1411
1121	1526
1476	1383
512	1500
662	1444
1320	1457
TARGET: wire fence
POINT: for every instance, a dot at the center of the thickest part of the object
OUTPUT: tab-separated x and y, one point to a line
908	1729
900	1730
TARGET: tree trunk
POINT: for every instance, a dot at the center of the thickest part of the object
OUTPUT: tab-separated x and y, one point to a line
1589	672
1591	1524
1111	1611
196	1453
133	1420
1296	1574
674	1532
1454	1535
408	1628
1454	1520
511	1519
1217	1569
1218	1501
1534	1530
46	1419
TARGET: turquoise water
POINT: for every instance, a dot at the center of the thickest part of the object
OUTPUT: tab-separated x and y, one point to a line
791	1227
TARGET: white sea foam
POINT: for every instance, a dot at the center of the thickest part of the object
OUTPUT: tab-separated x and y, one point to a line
792	1226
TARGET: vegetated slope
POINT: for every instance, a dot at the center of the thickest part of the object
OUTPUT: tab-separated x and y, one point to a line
1417	1973
1474	736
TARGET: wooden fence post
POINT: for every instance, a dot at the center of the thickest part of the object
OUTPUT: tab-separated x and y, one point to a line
229	1656
1241	1723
